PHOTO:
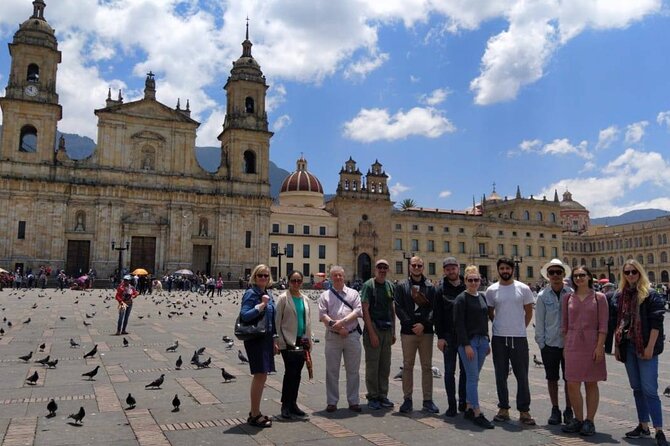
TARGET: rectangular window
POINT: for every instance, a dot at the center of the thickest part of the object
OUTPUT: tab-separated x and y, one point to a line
482	249
398	226
305	229
247	239
305	269
289	250
22	230
501	249
305	251
501	233
398	267
397	244
291	229
554	252
322	231
541	234
446	246
289	267
446	229
275	228
553	236
513	233
527	234
322	251
431	246
322	267
529	272
431	268
430	229
461	230
542	253
461	247
529	251
415	227
515	250
415	245
274	249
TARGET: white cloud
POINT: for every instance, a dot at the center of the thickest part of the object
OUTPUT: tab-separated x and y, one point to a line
607	136
414	79
635	132
435	97
445	194
281	122
398	189
377	124
663	119
530	145
275	97
211	128
363	66
557	147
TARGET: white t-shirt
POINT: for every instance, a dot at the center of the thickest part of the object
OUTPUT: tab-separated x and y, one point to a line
508	302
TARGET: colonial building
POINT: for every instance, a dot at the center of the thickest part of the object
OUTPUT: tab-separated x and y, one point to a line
142	187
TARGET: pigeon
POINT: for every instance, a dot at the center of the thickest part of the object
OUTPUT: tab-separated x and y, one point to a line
206	363
2	331
666	392
77	417
32	379
194	358
52	407
130	401
227	339
399	374
175	403
178	363
230	345
73	344
157	383
92	373
62	318
173	347
125	342
200	351
52	364
436	372
86	324
226	376
536	361
42	346
27	321
27	357
43	361
92	353
243	359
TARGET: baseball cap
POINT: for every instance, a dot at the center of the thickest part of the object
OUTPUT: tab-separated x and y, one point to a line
449	261
382	262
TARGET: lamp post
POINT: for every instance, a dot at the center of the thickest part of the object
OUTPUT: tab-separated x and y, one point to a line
120	249
277	253
609	264
517	260
407	256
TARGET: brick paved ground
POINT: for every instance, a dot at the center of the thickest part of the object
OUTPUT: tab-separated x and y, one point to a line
213	412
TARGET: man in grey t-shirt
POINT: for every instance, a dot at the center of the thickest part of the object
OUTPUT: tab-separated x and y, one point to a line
510	305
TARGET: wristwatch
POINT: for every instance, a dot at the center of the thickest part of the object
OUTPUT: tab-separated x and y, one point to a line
331	323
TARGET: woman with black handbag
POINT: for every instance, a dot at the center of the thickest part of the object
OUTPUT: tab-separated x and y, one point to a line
639	341
257	302
294	332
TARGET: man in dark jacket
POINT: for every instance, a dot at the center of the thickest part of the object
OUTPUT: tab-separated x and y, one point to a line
414	300
608	289
451	286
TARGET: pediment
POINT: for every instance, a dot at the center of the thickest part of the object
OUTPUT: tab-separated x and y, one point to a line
149	109
148	135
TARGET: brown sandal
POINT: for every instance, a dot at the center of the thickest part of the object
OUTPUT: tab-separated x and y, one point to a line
259	420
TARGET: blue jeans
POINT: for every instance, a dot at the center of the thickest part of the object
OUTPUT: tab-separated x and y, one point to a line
123	319
643	378
450	354
480	345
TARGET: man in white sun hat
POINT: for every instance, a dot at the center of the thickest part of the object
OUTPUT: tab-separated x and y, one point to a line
548	334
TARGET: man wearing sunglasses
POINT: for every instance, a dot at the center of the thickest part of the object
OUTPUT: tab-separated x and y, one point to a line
549	337
378	336
414	298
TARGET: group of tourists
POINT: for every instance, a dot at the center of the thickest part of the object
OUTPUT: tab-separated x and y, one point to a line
571	325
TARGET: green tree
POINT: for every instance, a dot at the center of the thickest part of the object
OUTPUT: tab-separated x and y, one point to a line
407	203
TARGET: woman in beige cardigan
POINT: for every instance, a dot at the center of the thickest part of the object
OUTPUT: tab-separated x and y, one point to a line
294	333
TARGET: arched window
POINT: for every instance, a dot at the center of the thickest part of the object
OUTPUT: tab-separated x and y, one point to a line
249	162
664	276
28	142
664	257
650	259
526	215
372	188
33	74
80	221
552	217
574	262
354	185
640	259
652	276
602	261
665	239
249	104
346	184
380	188
511	215
538	216
594	263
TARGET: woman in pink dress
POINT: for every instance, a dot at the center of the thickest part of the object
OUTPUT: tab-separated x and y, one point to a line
584	324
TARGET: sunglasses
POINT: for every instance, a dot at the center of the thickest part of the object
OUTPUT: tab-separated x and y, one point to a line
416	265
579	276
555	272
263	276
295	280
473	280
382	267
631	272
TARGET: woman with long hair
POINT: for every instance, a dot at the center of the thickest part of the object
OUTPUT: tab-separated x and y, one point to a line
257	302
472	333
639	341
294	333
584	325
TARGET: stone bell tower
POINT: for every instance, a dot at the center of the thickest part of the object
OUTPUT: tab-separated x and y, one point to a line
30	107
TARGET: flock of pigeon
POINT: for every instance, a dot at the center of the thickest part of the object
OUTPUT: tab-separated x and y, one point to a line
175	306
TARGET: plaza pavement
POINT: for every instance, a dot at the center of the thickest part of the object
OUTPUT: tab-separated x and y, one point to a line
213	412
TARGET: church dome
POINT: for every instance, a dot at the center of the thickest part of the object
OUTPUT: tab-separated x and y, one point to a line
569	203
36	30
301	180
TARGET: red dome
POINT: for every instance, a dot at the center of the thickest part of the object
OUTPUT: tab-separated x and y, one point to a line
301	180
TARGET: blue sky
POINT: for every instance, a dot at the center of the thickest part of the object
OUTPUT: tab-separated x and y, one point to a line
449	95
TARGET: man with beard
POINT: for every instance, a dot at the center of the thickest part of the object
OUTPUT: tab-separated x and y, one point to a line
446	291
510	305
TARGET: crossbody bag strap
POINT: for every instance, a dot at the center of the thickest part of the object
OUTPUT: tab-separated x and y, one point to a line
358	327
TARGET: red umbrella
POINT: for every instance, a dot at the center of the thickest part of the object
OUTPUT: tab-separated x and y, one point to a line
603	280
